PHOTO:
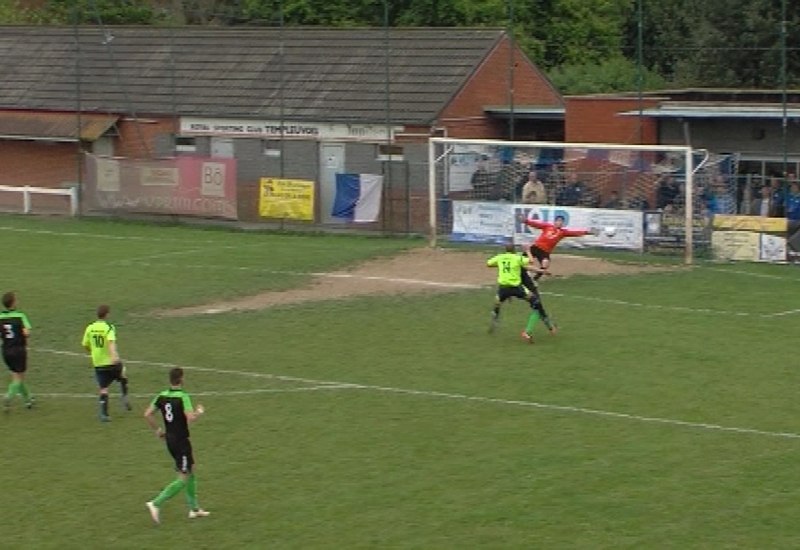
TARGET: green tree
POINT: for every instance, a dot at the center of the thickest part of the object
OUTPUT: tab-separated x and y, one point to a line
731	43
109	12
584	31
616	74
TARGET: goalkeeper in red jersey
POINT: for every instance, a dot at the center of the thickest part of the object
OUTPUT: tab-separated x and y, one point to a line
547	240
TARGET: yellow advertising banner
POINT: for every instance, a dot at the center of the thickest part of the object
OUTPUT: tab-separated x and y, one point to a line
736	246
286	199
750	223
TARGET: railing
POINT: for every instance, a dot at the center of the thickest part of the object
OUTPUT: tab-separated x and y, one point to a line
28	191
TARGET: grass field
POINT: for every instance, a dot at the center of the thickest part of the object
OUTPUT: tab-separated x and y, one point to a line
663	415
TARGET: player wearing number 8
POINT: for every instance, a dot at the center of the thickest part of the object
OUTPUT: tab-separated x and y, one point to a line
177	413
100	339
14	331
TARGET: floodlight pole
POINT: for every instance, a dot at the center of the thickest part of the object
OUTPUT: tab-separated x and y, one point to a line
640	66
510	33
78	105
784	118
388	164
281	57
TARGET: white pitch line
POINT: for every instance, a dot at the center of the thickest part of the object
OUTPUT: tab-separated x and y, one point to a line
101	236
56	395
206	369
654	306
466	286
477	399
328	275
751	274
128	261
784	313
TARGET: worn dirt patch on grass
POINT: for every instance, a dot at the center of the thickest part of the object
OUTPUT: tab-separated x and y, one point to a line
416	271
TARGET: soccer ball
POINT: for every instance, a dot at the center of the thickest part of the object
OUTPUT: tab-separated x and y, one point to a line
610	231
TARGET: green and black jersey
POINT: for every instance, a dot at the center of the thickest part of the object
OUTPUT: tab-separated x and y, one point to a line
13	325
174	404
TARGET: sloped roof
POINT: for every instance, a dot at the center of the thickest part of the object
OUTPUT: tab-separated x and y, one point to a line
335	75
54	126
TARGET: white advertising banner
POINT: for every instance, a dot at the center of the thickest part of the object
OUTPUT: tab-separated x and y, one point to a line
482	222
772	248
619	229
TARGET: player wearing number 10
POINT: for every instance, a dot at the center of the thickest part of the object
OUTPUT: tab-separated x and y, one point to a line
14	331
100	339
177	412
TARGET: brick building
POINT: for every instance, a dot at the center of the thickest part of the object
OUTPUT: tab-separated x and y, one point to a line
748	123
297	103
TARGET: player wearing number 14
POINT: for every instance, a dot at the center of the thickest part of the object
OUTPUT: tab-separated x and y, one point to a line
14	331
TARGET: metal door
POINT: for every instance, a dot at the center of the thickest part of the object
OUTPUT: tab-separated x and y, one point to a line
222	147
331	162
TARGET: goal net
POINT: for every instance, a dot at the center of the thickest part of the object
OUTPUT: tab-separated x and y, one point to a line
640	198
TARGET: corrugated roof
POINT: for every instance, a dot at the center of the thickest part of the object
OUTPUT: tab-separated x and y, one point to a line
715	110
54	126
335	75
533	112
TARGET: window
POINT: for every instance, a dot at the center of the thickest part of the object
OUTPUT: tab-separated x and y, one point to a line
185	144
390	153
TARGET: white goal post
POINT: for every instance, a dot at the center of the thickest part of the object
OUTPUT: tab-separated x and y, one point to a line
594	181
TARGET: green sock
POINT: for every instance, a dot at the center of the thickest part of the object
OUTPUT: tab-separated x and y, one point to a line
532	322
191	492
23	390
13	389
169	491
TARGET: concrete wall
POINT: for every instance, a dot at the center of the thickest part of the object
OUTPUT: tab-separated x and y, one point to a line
761	138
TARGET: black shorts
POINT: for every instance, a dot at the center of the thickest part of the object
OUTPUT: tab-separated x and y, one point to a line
16	359
506	292
527	281
106	376
181	452
539	254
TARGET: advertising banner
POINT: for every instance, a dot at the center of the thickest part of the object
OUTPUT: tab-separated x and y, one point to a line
482	222
772	248
750	223
619	229
667	232
736	245
748	246
286	199
185	186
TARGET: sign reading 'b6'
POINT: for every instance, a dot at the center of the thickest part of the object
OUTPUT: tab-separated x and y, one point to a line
183	186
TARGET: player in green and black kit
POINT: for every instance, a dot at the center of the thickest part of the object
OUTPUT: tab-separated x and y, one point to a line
177	412
100	339
14	331
509	285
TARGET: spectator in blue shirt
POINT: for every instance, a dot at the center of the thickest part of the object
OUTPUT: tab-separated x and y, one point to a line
793	203
777	195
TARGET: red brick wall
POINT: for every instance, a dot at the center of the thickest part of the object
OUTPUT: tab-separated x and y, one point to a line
44	164
597	120
464	116
37	163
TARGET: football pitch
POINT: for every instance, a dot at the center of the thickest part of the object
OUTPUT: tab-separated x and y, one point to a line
664	414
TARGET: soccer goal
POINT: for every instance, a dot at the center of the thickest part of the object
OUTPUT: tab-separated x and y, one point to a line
642	198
